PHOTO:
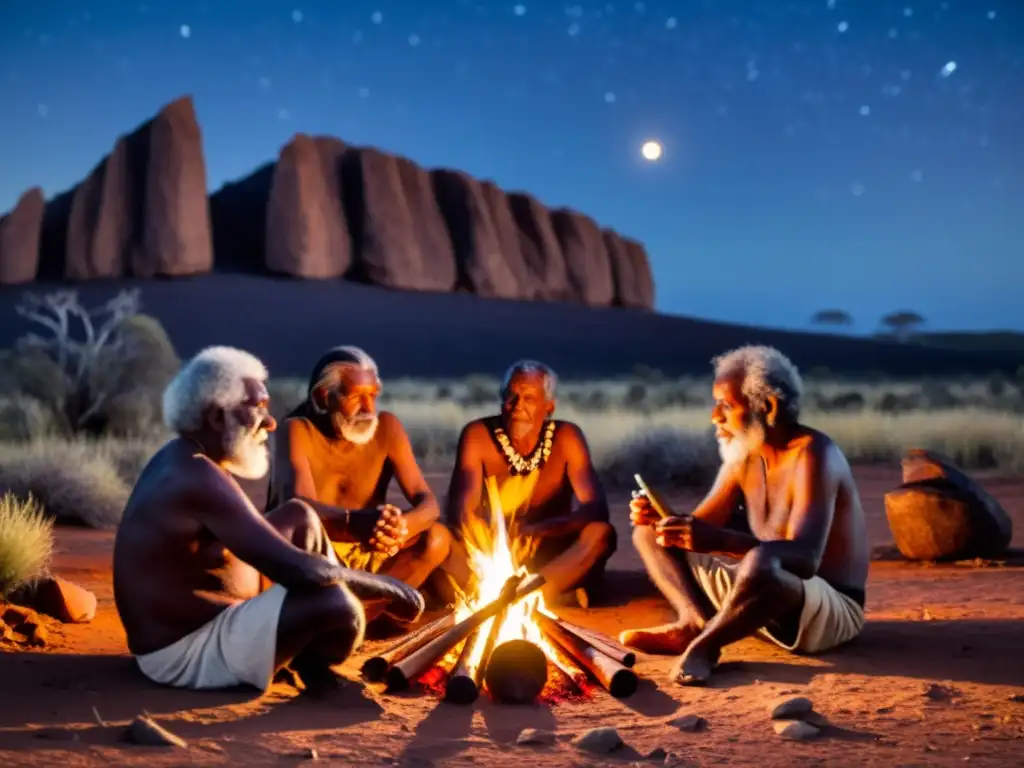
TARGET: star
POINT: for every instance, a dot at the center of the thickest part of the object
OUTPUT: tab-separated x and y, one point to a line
185	31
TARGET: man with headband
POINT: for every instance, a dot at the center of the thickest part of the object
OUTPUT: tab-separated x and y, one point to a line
337	451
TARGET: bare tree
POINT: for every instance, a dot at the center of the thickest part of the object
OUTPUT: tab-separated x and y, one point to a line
837	317
78	338
903	324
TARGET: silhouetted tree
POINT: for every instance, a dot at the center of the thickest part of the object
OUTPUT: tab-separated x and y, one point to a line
837	317
903	324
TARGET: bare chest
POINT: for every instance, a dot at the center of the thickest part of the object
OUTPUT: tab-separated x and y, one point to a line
351	475
768	499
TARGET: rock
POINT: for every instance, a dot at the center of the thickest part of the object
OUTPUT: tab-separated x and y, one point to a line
307	235
658	753
145	732
816	719
20	236
35	633
63	600
238	215
397	245
101	224
13	615
939	513
482	265
631	272
792	709
507	234
535	736
1017	698
937	692
539	246
795	730
673	758
586	258
600	741
310	753
689	723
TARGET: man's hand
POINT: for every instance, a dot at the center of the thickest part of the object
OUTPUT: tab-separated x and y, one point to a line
535	530
382	529
641	511
687	533
403	603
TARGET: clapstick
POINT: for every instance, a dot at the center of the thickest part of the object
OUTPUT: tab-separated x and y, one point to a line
657	503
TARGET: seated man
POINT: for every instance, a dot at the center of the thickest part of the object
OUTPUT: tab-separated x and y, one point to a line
799	580
540	466
191	549
337	452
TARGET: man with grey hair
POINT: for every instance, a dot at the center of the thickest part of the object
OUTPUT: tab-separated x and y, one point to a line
797	578
544	479
339	452
212	593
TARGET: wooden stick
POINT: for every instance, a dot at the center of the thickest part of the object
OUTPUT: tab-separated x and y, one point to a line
566	663
603	643
462	686
618	680
658	504
375	667
400	675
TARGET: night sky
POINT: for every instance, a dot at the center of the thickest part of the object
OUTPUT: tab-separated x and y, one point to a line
862	154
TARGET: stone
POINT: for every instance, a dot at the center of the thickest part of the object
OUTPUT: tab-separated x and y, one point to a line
631	272
658	753
586	258
35	633
20	236
795	730
792	709
307	234
939	513
145	732
482	265
238	215
396	244
101	225
600	741
64	600
1017	698
689	723
673	758
507	233
535	736
540	249
816	719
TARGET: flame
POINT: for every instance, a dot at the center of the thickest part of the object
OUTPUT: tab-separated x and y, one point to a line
496	554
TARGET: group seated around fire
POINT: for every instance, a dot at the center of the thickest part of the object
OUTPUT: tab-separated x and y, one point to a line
215	590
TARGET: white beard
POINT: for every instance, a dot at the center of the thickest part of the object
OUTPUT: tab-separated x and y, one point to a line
358	431
247	454
738	448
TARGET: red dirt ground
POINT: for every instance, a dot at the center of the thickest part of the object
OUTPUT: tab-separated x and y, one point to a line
954	626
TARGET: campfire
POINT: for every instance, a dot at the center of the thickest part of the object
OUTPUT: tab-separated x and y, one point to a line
502	638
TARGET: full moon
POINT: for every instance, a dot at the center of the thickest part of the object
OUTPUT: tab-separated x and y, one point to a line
651	150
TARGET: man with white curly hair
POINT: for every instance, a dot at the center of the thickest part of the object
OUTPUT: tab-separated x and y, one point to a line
797	578
212	593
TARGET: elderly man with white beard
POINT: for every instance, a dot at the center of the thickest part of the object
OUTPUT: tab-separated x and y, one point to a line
798	578
211	592
336	451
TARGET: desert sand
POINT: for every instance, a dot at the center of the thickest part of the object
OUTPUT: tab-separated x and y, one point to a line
931	681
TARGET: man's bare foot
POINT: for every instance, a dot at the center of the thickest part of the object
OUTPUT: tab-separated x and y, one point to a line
666	639
695	665
320	679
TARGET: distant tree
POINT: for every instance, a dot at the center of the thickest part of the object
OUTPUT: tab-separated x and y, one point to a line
837	317
903	324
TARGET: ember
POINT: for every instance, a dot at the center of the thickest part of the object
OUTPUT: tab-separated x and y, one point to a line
503	638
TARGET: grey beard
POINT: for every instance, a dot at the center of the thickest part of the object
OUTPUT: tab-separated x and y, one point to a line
740	446
359	430
246	453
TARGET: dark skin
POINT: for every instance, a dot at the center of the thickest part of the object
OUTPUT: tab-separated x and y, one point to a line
568	474
347	483
191	544
806	518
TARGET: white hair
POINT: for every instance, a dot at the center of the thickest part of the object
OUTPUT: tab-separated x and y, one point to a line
532	366
331	376
214	377
763	372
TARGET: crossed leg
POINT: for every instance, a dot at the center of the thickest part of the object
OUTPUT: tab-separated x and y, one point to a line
579	564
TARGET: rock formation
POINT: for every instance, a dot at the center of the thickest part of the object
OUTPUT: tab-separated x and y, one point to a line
631	272
307	235
939	513
586	257
20	233
323	210
142	212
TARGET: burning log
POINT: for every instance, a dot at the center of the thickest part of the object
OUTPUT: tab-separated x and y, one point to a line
610	648
516	672
618	680
400	675
375	667
566	664
464	684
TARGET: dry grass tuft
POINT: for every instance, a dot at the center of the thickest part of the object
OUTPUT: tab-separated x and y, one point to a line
26	542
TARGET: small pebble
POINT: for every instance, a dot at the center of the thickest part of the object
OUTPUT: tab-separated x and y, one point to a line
145	732
658	753
535	736
1017	698
795	730
689	723
674	759
792	709
600	741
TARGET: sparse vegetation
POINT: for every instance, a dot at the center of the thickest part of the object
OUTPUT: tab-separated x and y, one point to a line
26	542
82	472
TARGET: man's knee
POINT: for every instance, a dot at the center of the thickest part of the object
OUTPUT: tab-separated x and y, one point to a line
645	538
336	610
759	570
437	544
600	536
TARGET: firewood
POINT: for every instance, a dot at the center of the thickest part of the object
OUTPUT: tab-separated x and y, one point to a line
617	679
375	667
603	643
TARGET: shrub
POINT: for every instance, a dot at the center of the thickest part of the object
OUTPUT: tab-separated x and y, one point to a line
665	457
25	418
26	542
73	481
